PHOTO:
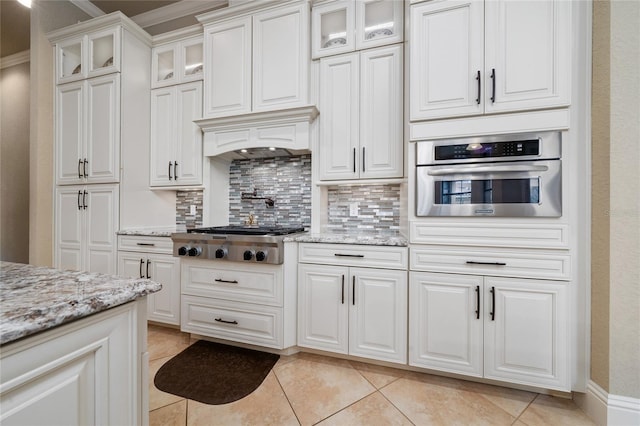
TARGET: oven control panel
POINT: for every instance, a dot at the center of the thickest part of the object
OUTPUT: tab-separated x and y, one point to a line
488	150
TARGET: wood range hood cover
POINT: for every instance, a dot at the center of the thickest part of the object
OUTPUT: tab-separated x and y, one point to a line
285	130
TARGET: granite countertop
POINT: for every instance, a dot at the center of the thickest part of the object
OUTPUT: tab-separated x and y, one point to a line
160	231
362	239
34	299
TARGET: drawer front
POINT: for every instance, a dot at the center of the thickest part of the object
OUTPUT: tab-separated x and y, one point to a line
513	263
234	281
236	321
354	255
160	245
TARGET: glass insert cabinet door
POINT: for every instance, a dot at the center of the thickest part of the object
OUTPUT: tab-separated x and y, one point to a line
191	53
333	28
378	22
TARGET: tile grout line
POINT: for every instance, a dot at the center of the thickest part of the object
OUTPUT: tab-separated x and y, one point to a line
392	404
285	393
525	409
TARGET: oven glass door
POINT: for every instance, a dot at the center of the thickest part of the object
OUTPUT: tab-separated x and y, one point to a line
509	190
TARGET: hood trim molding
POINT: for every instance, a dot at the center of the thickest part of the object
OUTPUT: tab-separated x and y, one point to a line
285	128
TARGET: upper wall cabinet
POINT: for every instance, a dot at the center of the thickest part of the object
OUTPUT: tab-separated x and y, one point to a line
256	60
472	57
177	62
89	55
347	25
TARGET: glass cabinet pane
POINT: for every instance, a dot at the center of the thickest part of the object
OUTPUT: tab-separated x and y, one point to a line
333	28
379	19
165	65
192	55
102	51
71	59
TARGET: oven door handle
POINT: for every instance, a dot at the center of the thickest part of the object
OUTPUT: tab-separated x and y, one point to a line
487	169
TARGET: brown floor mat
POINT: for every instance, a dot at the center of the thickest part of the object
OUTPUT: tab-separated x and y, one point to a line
213	373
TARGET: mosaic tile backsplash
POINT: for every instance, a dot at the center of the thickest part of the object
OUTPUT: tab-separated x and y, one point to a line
378	209
284	180
184	201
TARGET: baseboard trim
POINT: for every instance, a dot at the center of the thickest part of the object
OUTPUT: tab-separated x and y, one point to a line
607	409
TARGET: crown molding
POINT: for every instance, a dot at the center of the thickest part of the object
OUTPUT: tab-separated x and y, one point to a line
87	7
175	11
15	59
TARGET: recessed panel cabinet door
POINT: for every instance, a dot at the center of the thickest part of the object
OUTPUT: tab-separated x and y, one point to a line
70	132
103	129
447	52
323	309
164	306
102	222
189	136
163	136
69	235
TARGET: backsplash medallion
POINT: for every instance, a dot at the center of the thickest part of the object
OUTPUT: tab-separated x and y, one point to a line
184	201
285	181
378	209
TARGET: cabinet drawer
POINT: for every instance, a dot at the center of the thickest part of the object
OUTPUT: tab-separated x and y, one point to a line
354	255
236	321
513	263
161	245
261	284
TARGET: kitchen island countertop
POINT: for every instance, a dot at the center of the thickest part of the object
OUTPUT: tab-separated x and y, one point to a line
35	299
362	239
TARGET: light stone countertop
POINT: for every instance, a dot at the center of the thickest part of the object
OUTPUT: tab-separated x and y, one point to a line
34	299
362	239
160	231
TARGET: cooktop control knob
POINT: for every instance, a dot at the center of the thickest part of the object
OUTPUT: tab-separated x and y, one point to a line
182	251
261	256
220	253
194	251
248	255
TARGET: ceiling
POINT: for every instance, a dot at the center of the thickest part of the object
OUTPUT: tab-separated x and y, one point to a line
15	21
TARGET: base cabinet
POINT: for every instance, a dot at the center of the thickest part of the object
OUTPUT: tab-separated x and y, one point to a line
506	329
356	311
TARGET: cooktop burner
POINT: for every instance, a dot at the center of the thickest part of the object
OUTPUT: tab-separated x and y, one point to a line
247	230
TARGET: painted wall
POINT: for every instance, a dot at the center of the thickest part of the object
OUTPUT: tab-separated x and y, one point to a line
14	163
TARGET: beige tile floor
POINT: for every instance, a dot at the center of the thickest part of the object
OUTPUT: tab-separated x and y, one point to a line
306	389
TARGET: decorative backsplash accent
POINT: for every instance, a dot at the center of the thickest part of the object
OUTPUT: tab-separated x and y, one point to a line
184	201
378	209
286	181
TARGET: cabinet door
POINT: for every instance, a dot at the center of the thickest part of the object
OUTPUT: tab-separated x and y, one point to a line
227	71
70	55
103	55
102	222
164	306
378	314
446	59
70	133
69	228
381	128
445	322
103	129
281	58
163	65
163	136
333	28
526	338
188	142
191	61
379	22
528	50
339	110
323	310
131	265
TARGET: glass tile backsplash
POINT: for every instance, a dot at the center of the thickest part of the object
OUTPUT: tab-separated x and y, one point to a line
365	209
184	201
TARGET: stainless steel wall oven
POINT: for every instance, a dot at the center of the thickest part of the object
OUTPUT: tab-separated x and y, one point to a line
517	175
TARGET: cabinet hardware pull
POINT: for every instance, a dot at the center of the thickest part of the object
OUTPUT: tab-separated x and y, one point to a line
175	170
478	78
79	171
84	167
218	280
473	262
354	160
170	164
348	255
477	302
84	200
343	289
493	303
148	263
353	290
226	322
141	263
79	195
146	244
363	160
493	85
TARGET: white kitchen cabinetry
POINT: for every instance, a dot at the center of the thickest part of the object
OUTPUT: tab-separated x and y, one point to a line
176	142
86	220
151	257
361	131
257	61
88	55
88	131
177	62
506	329
473	57
360	311
345	26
